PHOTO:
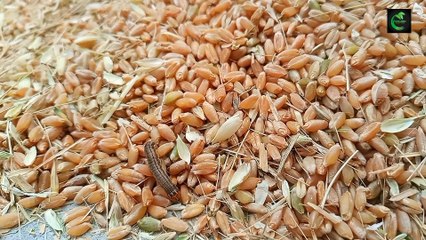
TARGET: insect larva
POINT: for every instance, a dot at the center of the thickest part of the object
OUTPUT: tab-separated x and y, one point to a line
159	174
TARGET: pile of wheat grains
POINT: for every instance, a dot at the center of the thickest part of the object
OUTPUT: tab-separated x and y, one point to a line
193	119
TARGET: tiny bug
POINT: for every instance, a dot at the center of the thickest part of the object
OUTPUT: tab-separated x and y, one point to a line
160	175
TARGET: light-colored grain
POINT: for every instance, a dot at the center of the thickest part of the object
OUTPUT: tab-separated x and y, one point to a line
175	224
157	211
137	212
83	193
192	210
119	232
9	220
78	220
78	230
53	202
76	212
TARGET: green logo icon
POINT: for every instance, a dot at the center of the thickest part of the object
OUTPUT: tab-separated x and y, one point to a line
397	21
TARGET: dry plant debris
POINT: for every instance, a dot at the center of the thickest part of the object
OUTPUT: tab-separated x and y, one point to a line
288	119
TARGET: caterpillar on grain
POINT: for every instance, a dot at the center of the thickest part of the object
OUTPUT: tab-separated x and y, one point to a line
159	174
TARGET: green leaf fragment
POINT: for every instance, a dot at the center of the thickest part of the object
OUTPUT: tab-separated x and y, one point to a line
396	125
53	220
324	66
394	188
183	150
296	202
4	155
183	237
420	182
401	236
313	4
165	236
149	224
